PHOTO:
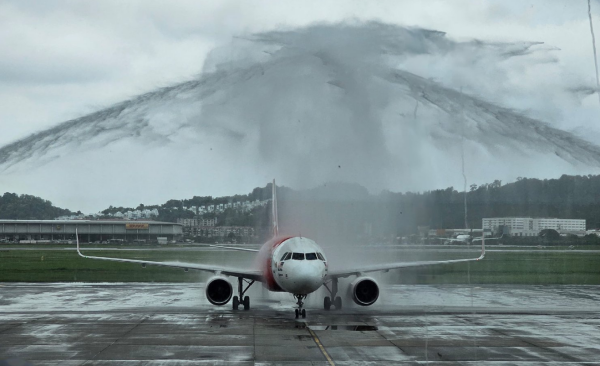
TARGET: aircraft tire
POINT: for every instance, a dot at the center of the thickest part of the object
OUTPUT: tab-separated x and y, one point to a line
303	313
338	303
236	303
246	303
327	303
297	313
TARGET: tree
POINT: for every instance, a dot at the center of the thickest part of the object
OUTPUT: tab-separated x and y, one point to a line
549	234
27	207
231	237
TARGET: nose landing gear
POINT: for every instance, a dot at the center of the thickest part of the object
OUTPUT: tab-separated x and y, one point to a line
300	312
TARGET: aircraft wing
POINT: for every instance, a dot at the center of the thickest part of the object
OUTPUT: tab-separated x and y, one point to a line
479	239
254	275
235	248
447	240
359	271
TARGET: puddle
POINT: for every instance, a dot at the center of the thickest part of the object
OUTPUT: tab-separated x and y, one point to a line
356	328
301	324
304	337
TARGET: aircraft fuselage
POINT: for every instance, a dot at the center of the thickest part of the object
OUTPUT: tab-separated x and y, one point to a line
293	264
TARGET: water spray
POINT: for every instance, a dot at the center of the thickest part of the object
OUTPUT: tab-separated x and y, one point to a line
594	47
462	156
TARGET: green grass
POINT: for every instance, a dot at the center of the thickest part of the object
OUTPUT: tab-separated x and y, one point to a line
66	266
518	267
529	268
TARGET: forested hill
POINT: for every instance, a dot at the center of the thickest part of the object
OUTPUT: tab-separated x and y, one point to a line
399	214
27	207
351	207
574	197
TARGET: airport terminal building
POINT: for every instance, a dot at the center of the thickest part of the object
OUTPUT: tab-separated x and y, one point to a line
89	230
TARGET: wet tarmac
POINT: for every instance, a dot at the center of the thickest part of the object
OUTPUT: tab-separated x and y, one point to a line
173	324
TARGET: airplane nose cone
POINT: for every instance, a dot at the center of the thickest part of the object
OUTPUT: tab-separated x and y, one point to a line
307	279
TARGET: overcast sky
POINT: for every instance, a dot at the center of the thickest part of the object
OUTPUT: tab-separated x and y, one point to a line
63	59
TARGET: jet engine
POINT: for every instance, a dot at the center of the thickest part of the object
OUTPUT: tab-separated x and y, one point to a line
218	291
364	291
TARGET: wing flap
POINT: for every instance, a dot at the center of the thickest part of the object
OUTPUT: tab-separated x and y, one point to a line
255	275
390	266
398	265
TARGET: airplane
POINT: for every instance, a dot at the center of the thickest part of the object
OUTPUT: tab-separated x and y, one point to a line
464	239
292	264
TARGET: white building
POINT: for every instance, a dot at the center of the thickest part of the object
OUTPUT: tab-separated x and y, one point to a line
527	226
197	222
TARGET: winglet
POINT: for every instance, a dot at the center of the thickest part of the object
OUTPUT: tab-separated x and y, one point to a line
77	238
274	212
482	246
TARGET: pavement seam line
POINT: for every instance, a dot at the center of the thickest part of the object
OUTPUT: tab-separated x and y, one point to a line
323	351
13	327
389	341
116	340
551	349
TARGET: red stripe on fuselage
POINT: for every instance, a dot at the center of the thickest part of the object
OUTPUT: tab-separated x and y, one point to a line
269	247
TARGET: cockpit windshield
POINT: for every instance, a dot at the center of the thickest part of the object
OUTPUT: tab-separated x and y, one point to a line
311	256
298	256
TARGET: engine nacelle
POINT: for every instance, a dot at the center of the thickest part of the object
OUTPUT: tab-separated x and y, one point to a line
364	291
218	291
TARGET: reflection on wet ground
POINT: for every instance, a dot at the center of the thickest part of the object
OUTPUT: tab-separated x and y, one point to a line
173	324
357	328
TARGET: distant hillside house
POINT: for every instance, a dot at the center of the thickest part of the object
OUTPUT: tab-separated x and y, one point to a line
195	222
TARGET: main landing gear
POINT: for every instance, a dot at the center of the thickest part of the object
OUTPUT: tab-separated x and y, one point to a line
300	312
337	301
241	292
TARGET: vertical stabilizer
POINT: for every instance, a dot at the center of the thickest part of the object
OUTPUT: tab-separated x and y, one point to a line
274	213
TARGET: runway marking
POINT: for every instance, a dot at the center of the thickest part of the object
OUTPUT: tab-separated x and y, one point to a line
323	351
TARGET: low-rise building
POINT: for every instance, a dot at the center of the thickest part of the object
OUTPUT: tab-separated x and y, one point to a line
223	231
197	221
197	226
527	226
88	230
